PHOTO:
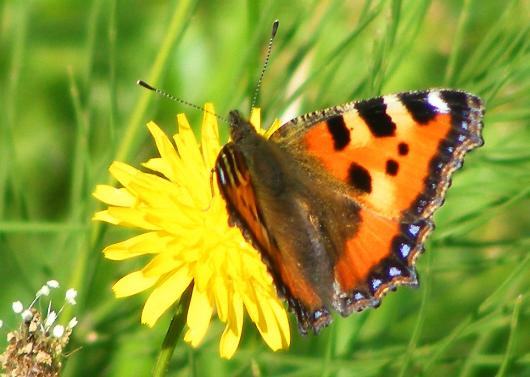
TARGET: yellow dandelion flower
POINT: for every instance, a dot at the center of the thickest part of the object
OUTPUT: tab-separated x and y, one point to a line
187	234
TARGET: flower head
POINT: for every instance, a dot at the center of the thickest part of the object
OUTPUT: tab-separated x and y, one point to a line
44	291
58	331
17	307
188	236
70	296
73	323
50	319
35	348
27	315
52	283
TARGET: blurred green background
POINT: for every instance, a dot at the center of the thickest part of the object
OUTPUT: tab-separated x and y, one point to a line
70	106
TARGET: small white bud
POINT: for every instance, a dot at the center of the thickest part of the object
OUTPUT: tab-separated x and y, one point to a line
27	315
52	283
17	307
50	319
2	323
72	323
70	296
44	291
58	331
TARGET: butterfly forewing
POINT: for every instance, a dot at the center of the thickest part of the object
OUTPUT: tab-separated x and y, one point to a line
395	152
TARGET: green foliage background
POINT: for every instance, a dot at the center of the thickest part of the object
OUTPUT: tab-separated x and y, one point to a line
70	106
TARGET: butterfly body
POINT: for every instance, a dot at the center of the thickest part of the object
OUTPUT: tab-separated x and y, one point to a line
339	201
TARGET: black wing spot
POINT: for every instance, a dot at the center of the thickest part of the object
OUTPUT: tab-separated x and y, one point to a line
360	178
339	132
418	106
403	149
373	112
392	167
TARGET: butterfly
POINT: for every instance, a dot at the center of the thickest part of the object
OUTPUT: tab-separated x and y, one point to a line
339	201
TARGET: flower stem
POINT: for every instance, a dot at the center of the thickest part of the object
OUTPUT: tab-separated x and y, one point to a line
173	334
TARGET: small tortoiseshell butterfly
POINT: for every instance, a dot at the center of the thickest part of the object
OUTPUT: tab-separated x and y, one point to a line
339	201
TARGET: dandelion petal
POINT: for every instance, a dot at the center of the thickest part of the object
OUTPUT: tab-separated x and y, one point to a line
210	136
232	333
250	299
199	314
145	243
269	330
187	143
106	217
132	284
221	299
113	196
161	264
164	295
255	118
131	217
161	166
274	126
166	150
123	173
283	322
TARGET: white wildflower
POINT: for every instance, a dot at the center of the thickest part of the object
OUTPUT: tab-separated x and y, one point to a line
27	315
72	323
17	307
58	331
44	291
70	296
52	283
50	319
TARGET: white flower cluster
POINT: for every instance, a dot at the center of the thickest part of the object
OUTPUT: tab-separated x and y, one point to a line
51	315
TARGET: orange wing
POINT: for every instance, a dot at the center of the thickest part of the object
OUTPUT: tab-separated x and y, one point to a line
378	258
369	174
395	152
394	156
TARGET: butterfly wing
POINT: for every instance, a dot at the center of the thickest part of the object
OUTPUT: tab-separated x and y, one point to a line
260	219
394	156
339	201
397	152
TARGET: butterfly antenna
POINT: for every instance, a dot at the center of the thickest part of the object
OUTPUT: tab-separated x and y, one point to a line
275	25
179	100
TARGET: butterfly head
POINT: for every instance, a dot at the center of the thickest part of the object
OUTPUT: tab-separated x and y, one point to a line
240	128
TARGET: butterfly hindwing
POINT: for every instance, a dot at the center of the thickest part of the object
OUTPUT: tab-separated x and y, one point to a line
250	189
378	257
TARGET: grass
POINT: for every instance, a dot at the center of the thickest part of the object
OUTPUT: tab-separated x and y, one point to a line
70	106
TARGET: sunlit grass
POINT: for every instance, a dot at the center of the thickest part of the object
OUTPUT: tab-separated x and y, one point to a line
70	106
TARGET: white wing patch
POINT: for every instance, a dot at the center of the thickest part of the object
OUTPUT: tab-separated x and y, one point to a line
437	101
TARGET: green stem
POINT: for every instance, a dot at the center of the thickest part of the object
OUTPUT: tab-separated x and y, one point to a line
173	334
511	340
